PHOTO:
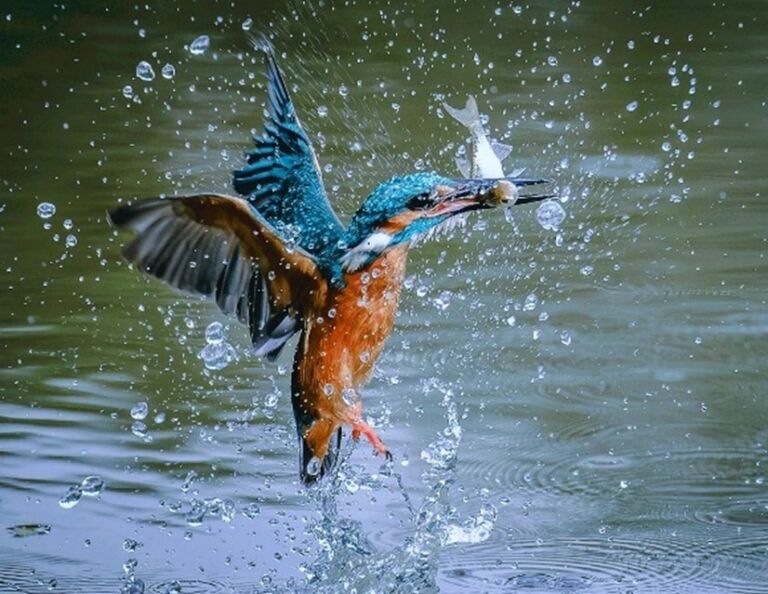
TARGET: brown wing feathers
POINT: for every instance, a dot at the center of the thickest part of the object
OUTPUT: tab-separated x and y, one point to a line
217	246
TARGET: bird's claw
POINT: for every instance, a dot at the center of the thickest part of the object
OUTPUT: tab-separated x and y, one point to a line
360	427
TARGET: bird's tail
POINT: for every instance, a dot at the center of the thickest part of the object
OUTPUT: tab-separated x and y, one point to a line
319	438
469	116
310	468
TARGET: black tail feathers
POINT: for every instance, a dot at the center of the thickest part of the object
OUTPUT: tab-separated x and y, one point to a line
310	468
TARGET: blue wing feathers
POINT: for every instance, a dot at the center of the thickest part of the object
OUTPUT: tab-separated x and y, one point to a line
282	182
281	179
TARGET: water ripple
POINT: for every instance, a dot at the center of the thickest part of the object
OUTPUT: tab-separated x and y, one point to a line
576	565
703	475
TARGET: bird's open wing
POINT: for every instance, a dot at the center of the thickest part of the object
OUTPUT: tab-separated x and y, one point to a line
220	247
282	178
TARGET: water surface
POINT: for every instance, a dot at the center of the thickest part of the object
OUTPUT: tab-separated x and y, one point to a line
572	411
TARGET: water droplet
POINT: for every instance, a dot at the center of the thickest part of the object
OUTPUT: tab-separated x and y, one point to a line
328	389
597	60
130	545
144	71
70	241
191	476
71	498
565	337
587	270
139	429
343	90
349	396
531	301
442	301
227	510
550	215
139	411
511	321
127	91
552	61
214	333
196	515
218	353
130	565
322	111
313	466
91	486
247	24
200	45
251	511
45	210
168	71
133	586
632	106
623	484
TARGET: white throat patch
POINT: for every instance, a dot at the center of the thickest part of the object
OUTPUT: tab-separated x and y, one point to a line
371	246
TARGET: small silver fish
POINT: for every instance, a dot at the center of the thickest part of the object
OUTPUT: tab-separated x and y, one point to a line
487	154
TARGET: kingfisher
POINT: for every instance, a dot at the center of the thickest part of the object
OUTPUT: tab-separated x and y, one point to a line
278	258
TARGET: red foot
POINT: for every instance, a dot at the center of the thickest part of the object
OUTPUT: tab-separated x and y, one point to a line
360	427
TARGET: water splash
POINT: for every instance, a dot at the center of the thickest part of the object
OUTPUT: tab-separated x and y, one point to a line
349	562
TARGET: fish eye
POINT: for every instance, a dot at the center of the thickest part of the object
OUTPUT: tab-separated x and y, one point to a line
420	201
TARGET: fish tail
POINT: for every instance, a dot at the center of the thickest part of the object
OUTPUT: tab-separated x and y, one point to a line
469	116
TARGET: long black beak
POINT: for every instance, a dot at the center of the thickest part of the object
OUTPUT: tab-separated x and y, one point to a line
492	192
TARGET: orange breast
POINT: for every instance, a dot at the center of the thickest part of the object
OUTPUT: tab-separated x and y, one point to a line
341	343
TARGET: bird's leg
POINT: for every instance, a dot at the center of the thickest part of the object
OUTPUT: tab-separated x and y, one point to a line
360	427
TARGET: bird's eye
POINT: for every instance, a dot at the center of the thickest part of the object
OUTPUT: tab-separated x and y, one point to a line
420	201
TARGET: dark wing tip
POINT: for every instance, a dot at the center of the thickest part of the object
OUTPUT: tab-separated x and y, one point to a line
139	215
263	44
122	216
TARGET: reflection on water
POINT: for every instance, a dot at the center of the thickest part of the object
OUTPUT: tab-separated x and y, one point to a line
571	410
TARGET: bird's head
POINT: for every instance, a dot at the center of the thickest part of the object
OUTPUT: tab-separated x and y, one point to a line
407	208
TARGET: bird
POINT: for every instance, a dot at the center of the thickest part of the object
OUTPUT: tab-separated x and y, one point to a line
277	258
